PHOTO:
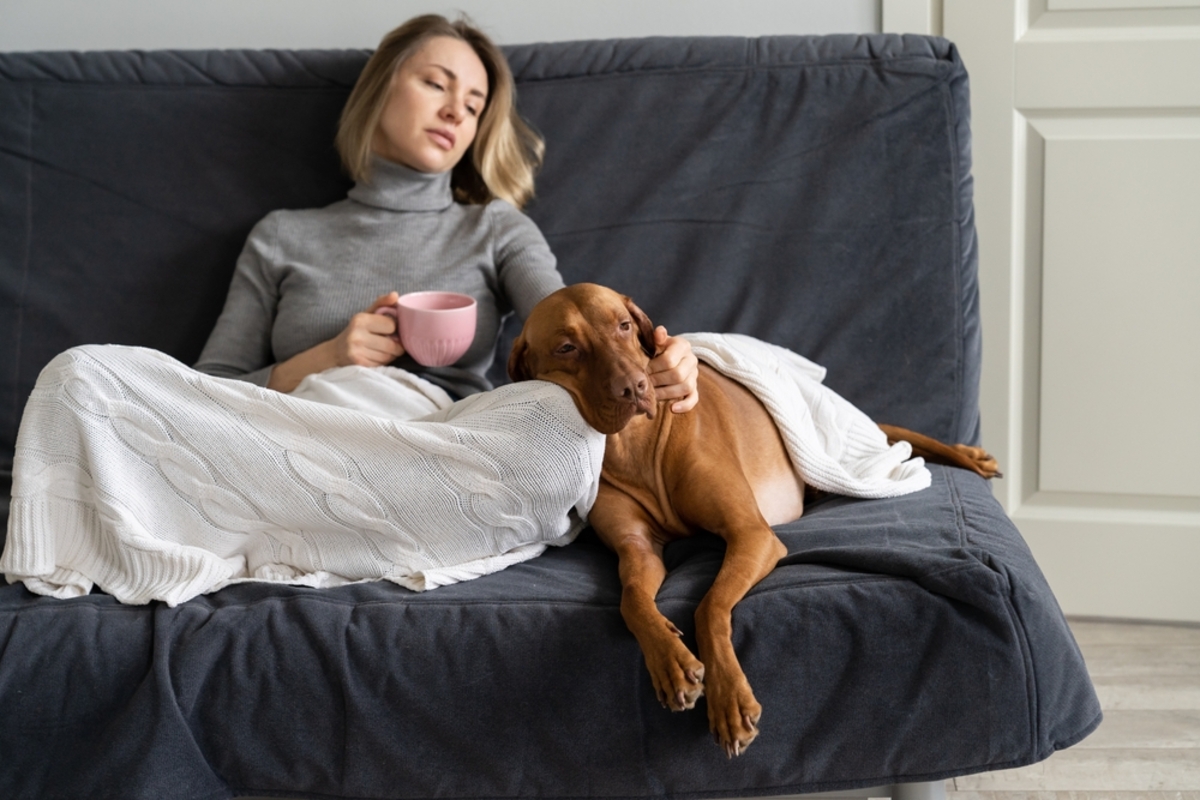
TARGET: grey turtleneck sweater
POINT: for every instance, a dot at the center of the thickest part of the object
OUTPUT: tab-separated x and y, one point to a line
303	274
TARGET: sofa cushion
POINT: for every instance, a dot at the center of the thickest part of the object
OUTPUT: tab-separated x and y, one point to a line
811	191
902	639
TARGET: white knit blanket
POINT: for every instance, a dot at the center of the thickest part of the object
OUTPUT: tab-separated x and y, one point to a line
154	481
833	445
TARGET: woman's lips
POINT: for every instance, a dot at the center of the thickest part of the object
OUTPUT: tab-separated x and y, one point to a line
443	138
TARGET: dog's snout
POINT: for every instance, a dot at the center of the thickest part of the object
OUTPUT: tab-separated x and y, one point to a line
629	387
633	387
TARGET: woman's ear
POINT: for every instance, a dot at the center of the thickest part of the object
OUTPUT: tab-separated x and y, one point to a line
645	328
518	366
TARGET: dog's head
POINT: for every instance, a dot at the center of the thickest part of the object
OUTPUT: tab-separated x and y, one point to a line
595	343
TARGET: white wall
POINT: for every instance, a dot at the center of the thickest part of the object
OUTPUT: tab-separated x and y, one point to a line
155	24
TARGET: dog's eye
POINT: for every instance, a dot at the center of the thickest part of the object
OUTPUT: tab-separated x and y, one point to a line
627	325
565	350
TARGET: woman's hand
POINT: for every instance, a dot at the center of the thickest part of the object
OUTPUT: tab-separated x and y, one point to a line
369	339
675	371
366	341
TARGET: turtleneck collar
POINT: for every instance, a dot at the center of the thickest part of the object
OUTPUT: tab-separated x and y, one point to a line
397	188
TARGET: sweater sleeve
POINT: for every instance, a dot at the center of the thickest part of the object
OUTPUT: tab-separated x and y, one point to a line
525	266
240	343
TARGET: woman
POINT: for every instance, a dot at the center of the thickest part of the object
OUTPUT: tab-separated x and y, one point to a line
442	163
159	482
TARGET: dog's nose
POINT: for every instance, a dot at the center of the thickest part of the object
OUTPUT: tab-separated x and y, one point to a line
630	388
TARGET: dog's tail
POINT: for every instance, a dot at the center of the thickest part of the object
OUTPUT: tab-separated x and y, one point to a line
975	459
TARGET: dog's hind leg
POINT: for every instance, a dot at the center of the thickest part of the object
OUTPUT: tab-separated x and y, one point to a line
678	676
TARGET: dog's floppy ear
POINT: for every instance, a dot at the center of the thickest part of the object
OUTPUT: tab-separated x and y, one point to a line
645	328
518	365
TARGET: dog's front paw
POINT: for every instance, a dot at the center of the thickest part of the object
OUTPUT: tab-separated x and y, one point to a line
733	715
678	675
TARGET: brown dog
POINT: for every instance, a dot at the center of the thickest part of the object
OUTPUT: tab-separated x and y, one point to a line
721	467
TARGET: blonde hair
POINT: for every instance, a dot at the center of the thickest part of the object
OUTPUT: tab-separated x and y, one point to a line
506	153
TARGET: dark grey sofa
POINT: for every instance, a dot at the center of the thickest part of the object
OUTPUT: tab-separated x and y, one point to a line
814	192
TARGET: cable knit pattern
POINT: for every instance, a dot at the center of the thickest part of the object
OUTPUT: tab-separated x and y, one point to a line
156	482
833	445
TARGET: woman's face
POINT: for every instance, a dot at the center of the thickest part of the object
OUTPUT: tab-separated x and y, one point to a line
433	107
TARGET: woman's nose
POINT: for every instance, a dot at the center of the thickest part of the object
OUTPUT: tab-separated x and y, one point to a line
454	111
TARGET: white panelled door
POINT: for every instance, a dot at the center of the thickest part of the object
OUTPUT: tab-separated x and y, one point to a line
1086	153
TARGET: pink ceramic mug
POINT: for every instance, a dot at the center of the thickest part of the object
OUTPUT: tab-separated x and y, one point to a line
436	328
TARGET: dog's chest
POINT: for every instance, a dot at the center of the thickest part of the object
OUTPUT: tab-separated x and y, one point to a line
634	463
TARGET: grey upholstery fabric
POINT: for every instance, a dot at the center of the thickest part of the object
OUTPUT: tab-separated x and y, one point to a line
814	192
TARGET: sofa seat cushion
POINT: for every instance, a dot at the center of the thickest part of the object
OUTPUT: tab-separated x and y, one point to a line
912	638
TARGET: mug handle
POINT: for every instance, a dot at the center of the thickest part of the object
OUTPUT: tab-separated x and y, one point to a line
394	313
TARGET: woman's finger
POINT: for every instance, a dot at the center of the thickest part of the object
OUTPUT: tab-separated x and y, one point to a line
389	299
675	371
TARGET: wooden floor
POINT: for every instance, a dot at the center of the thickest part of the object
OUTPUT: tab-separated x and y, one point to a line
1147	747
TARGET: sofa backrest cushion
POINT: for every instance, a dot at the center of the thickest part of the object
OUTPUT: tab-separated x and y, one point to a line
812	191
